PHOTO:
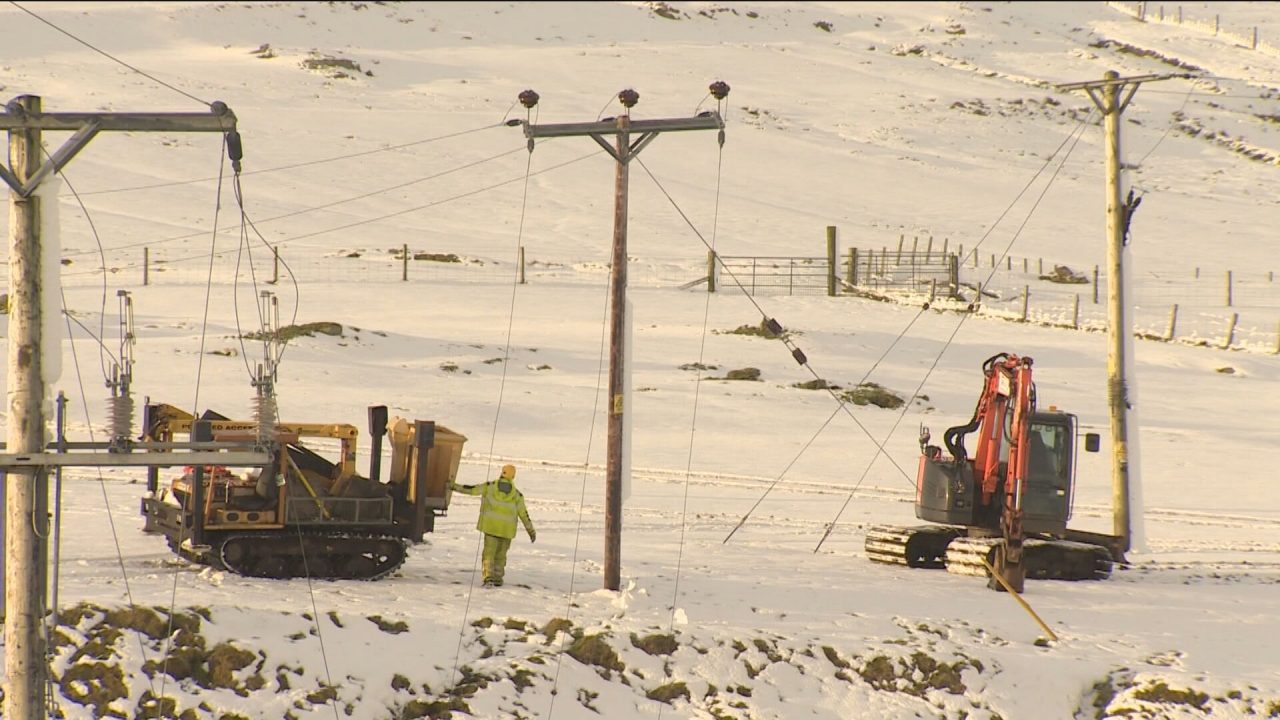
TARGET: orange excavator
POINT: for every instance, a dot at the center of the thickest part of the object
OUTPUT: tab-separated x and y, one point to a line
1005	508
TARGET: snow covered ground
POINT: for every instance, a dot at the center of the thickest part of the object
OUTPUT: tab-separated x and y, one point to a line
886	120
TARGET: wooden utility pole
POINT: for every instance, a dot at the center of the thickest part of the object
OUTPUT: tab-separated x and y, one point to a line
623	150
26	469
1111	95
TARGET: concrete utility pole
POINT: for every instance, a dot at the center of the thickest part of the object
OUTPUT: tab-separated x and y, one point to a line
1111	95
26	468
623	150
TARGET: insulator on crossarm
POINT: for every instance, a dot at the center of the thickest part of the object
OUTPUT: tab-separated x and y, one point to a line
264	415
121	411
628	98
235	151
529	99
719	90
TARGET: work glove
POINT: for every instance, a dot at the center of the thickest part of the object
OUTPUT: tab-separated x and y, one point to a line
533	536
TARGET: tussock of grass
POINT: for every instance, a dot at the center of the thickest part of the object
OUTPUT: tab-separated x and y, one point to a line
669	692
556	625
593	650
656	644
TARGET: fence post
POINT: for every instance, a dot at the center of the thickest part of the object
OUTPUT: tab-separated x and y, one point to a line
1008	262
1255	38
977	303
1228	288
1024	265
901	239
853	266
871	266
953	275
832	260
1026	300
1040	265
1161	13
945	241
1075	313
1179	14
275	264
146	265
404	269
1217	23
1278	337
1142	12
933	289
928	251
960	252
975	258
1197	273
1173	323
711	271
1231	331
520	260
1095	284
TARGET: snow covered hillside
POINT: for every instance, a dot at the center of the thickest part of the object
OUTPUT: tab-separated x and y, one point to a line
380	166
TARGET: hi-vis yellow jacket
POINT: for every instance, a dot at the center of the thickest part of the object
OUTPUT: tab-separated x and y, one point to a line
498	510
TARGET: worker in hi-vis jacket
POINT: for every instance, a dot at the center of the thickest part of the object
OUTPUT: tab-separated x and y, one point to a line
500	504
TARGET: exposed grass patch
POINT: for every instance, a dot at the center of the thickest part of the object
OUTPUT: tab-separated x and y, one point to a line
834	657
97	684
291	332
437	257
522	678
669	692
557	625
388	626
594	650
816	384
433	709
761	331
1065	275
655	644
749	374
1161	693
870	393
333	67
915	675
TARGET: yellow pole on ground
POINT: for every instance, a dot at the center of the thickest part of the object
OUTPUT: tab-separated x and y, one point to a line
1018	597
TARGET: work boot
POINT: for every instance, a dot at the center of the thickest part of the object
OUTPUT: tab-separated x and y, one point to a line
490	583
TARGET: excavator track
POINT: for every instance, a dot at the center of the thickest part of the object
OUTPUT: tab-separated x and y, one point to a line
324	555
1043	559
922	546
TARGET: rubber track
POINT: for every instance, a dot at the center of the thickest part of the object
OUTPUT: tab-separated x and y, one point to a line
321	555
938	546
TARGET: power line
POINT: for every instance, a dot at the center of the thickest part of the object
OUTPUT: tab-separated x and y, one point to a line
326	206
111	57
379	218
307	163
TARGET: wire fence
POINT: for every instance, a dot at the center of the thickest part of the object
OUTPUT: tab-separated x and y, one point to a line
1229	309
1174	15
